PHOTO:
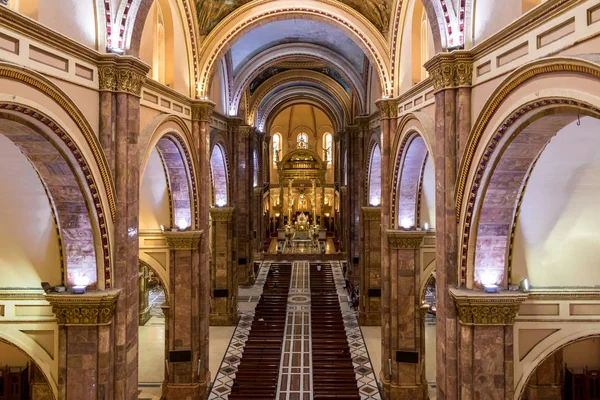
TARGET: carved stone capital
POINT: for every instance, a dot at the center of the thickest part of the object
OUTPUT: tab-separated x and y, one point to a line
246	131
92	308
363	122
388	108
221	213
479	308
344	190
187	240
202	110
371	213
399	239
451	70
423	310
123	74
353	130
233	124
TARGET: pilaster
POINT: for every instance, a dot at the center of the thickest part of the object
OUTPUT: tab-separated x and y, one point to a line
356	165
370	271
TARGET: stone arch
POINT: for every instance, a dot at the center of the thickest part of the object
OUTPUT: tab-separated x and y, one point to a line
373	168
156	267
172	139
283	52
247	17
34	352
508	115
61	146
415	126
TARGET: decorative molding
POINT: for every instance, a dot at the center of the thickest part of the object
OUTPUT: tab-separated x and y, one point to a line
202	110
21	294
246	131
122	74
405	239
388	108
92	308
478	308
371	213
224	214
451	70
186	240
565	294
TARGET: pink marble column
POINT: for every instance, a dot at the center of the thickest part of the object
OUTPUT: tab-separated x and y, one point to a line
355	194
185	380
370	271
404	331
223	269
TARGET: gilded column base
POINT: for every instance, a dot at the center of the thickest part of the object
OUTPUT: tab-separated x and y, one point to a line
219	319
145	316
192	391
369	318
404	392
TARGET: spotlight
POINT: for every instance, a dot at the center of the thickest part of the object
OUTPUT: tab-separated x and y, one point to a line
182	224
489	288
524	285
78	289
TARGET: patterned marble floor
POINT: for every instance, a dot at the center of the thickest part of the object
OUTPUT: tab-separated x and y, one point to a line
295	380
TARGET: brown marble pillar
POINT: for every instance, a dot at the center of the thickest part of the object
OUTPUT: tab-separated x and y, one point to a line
39	386
486	361
186	379
405	330
546	382
370	271
450	72
86	332
120	83
223	274
355	196
201	114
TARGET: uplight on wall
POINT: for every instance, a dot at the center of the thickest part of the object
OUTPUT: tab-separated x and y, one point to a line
182	224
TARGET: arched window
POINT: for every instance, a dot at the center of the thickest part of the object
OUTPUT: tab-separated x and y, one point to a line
375	177
276	148
158	67
255	160
328	148
218	169
303	140
424	44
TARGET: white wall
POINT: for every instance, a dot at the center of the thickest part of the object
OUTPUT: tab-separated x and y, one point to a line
493	15
29	250
154	197
12	356
557	242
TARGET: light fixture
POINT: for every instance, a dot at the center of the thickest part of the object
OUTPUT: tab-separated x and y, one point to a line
162	228
426	226
406	223
490	288
116	50
78	289
524	286
182	224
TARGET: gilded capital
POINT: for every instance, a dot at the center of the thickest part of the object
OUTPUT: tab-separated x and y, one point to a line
221	213
371	213
353	130
479	308
246	131
92	308
122	74
451	70
400	239
388	108
186	240
363	122
202	110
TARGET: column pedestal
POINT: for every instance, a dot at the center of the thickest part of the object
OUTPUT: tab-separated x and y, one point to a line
370	271
223	274
404	328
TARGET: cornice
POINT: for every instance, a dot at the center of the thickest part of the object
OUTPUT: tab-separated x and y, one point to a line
21	294
202	110
92	308
372	213
167	91
420	87
186	240
405	239
451	70
479	308
565	294
123	74
223	214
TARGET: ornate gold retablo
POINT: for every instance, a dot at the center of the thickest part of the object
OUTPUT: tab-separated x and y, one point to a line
479	308
92	308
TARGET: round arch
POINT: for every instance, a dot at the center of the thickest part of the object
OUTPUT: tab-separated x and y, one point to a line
373	168
506	116
158	269
258	12
286	52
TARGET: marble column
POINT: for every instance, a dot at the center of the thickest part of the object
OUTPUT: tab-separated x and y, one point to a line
40	388
185	380
449	72
356	176
486	357
201	115
143	292
86	333
223	274
370	271
405	330
242	201
547	380
120	83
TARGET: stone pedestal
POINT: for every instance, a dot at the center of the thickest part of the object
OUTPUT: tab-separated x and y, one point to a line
186	379
370	267
403	328
85	339
485	346
547	380
223	274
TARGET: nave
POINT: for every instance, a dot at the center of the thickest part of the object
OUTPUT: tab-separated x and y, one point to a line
300	341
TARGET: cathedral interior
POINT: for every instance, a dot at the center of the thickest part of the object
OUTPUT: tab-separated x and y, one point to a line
299	199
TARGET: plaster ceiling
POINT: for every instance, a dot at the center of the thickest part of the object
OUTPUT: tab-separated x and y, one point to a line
300	31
